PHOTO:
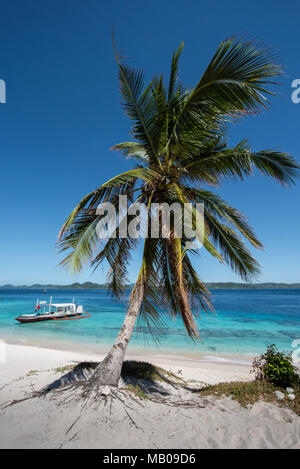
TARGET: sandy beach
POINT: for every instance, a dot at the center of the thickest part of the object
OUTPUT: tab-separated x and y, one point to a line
56	422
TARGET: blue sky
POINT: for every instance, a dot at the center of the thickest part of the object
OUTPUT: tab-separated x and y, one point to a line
63	114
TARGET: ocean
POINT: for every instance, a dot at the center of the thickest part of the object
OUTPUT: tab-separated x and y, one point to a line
246	321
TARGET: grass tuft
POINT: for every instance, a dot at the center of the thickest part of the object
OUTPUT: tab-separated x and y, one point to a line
79	366
144	370
32	373
135	389
253	391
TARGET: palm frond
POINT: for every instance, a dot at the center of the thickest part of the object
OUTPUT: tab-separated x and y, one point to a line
238	162
234	84
280	166
234	251
175	289
138	104
133	150
200	297
238	75
159	97
174	73
83	241
115	186
118	257
200	229
227	163
117	252
151	318
221	209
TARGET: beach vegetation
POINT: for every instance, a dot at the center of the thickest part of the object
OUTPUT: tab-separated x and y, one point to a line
250	392
64	369
77	367
180	155
142	379
276	367
137	391
147	371
32	373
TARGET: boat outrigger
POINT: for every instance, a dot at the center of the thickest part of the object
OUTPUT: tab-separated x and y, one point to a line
54	311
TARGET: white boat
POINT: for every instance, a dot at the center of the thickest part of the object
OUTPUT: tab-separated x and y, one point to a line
54	311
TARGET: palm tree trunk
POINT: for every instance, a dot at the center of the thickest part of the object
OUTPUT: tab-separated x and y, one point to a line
109	370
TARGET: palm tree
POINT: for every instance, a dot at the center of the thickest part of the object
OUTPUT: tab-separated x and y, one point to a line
180	153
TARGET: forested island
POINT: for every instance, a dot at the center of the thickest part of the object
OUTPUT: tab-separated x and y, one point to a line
104	286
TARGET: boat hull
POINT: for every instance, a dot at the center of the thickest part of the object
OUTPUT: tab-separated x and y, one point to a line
40	318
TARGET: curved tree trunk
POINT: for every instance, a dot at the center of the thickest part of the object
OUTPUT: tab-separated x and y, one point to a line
109	370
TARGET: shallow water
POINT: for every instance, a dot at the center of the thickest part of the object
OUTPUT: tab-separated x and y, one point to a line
246	322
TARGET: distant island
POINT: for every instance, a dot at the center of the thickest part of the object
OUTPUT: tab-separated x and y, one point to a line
72	286
104	286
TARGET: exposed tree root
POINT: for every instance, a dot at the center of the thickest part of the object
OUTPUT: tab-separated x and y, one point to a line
139	383
71	426
177	403
18	401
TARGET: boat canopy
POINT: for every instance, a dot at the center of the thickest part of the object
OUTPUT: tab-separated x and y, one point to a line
62	305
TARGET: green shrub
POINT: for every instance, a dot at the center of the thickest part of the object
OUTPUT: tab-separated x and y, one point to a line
276	367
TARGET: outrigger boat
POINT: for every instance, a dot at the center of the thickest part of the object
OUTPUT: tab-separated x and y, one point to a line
54	311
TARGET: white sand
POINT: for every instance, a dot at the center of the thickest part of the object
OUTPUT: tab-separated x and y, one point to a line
216	423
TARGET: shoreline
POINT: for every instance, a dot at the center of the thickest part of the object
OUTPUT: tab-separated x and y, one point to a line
143	352
17	362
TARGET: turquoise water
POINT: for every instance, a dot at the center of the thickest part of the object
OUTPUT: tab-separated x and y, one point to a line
246	322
